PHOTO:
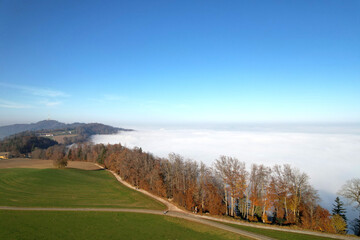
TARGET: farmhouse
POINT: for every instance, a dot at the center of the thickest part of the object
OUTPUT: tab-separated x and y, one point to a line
4	155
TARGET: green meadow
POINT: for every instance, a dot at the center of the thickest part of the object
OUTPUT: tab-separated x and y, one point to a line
24	187
82	188
52	225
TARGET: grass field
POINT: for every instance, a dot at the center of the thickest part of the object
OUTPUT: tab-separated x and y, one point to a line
68	188
277	234
99	225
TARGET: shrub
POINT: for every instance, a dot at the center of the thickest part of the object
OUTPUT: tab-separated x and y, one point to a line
60	163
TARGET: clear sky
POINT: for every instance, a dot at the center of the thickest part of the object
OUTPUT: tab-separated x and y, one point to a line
180	61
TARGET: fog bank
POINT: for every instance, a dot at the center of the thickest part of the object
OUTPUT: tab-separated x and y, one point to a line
328	158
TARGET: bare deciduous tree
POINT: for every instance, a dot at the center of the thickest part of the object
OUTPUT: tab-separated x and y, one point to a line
351	191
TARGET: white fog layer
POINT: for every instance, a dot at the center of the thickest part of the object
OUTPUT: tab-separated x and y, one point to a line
328	158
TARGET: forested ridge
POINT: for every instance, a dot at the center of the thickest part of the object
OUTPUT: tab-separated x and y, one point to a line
276	194
85	129
21	144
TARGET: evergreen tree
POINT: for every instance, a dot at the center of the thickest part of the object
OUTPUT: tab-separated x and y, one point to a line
339	209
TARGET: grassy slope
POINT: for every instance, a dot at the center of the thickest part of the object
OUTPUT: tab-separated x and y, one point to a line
277	234
101	225
68	188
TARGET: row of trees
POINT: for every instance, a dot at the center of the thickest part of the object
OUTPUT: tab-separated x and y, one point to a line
282	190
23	143
277	194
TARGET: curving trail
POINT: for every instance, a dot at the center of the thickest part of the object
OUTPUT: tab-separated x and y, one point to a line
170	206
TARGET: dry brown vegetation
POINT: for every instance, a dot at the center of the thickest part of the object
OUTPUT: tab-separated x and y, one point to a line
61	138
39	163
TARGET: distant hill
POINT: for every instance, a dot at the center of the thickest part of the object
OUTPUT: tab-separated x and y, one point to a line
91	128
17	128
22	139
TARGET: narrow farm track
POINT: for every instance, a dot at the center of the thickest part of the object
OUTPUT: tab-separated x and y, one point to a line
311	233
170	206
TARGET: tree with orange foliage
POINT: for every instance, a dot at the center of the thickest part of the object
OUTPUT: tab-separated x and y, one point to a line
233	174
259	197
322	220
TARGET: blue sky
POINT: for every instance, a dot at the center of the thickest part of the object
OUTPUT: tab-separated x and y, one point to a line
180	61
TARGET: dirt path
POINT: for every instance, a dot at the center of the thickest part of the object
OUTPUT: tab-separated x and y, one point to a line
170	206
149	211
312	233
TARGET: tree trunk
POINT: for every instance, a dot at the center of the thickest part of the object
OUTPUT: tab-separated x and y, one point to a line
264	214
286	212
226	201
232	206
247	207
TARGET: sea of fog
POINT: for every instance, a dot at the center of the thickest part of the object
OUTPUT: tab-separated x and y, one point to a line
330	155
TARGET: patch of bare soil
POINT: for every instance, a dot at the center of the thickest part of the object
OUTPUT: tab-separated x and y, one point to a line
82	165
60	138
39	163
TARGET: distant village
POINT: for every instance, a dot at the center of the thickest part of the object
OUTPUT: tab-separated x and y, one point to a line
52	134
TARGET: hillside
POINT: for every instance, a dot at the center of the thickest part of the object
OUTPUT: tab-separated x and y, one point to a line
19	144
89	128
51	133
17	128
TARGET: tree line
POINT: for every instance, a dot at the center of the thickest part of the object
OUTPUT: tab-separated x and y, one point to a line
280	194
24	143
